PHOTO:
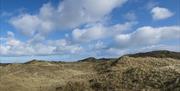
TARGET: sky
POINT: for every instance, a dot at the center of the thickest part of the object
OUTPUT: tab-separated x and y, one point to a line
69	30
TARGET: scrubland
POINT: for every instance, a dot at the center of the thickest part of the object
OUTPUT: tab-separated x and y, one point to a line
127	73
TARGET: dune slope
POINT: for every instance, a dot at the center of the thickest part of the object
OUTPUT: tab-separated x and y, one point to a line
127	73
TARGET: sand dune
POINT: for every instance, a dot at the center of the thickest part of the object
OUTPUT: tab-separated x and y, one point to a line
127	73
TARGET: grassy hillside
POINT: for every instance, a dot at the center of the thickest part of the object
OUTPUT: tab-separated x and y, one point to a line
158	54
138	72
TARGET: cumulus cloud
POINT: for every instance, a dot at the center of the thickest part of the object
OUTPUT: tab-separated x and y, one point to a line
10	46
32	24
91	35
74	13
10	34
68	14
100	31
148	35
159	13
36	38
145	38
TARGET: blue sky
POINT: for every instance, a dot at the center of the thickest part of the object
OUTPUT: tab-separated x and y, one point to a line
74	29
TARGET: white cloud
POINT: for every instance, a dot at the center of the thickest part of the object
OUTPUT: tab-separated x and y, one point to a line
100	31
10	34
10	40
36	38
143	39
97	46
100	45
130	16
159	13
64	46
148	35
68	14
104	7
32	24
28	24
36	46
4	50
13	42
93	33
74	13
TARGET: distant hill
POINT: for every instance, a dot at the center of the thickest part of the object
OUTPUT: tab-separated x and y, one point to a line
34	61
4	64
157	54
92	59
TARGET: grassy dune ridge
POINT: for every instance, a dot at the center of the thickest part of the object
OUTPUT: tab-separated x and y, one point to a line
151	71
